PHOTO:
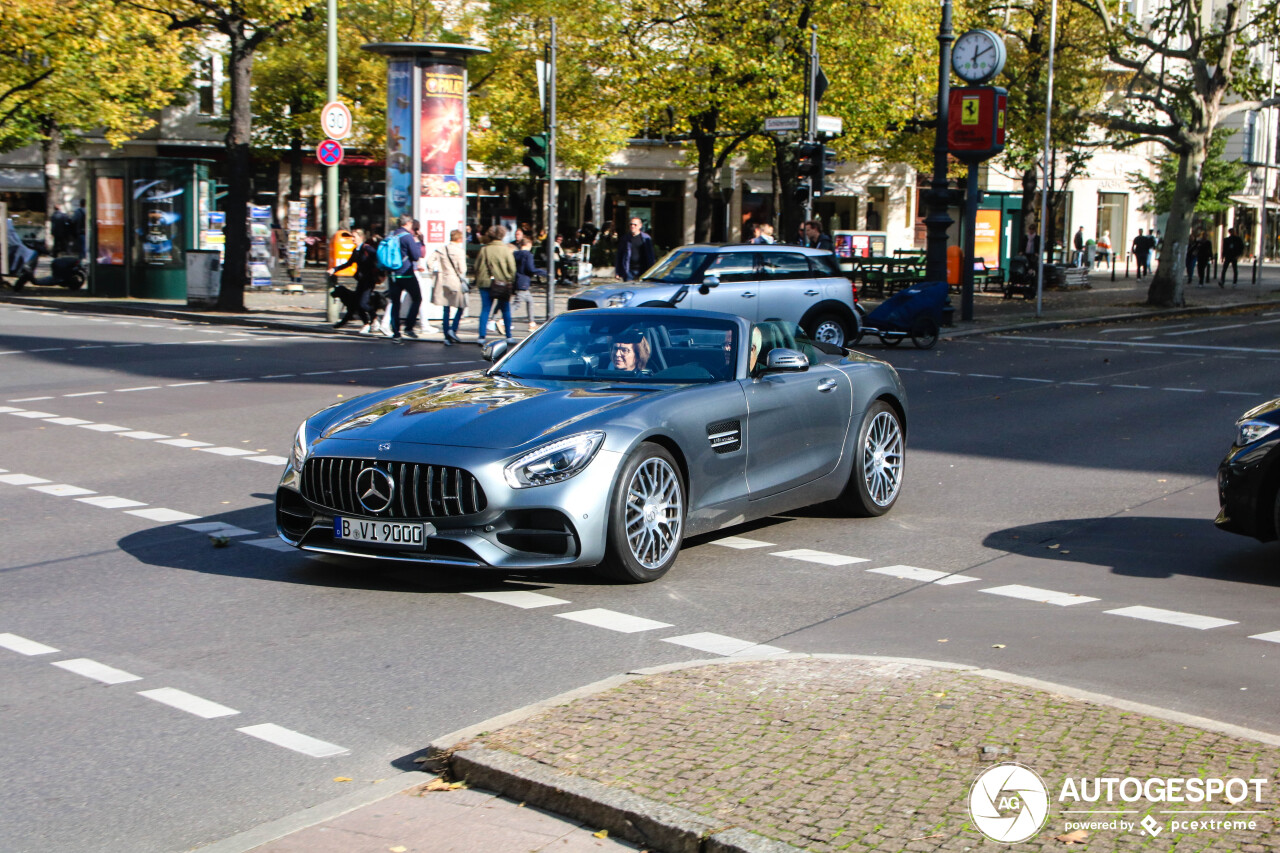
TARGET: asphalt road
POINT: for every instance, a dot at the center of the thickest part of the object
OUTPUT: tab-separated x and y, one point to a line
1052	479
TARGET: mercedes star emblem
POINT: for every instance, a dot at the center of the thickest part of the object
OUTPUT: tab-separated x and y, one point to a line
374	488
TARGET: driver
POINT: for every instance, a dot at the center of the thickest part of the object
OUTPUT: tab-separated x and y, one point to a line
757	341
630	352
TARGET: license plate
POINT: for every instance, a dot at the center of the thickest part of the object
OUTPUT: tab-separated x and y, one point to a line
392	534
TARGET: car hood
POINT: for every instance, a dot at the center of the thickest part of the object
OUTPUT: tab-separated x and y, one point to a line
655	289
1269	410
477	410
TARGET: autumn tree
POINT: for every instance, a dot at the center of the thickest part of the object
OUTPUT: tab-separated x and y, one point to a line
242	26
1220	180
1188	66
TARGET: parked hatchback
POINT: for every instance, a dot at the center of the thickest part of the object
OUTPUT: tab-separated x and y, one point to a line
1249	478
756	282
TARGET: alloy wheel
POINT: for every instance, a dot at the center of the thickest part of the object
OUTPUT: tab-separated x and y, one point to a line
882	459
655	508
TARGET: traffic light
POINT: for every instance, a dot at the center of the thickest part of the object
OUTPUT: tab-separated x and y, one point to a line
801	193
809	160
536	156
824	164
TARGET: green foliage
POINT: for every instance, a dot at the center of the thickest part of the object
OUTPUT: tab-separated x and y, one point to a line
1220	179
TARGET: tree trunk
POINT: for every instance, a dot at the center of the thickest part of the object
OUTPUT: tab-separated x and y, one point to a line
235	271
703	131
51	154
295	167
1167	285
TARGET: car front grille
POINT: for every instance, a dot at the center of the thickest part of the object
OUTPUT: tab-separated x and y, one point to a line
418	491
576	304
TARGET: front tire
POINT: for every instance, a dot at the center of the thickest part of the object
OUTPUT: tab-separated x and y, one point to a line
646	518
876	479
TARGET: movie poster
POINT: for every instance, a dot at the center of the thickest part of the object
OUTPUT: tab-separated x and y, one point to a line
110	221
442	145
158	216
399	139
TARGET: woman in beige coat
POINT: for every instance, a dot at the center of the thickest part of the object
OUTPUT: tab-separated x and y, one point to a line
449	263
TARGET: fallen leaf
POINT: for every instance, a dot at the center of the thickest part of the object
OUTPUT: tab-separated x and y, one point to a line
604	833
944	641
399	848
941	695
998	646
1064	552
342	778
1077	837
1051	547
440	785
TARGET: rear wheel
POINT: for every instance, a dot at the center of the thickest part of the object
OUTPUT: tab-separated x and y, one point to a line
76	280
876	478
828	329
890	340
646	518
924	332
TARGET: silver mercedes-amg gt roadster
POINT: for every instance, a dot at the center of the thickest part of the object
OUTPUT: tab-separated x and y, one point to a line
603	439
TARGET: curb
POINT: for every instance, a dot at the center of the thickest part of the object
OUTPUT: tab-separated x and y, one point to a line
212	318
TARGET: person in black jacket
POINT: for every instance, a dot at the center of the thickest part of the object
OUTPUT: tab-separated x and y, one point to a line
368	276
1232	249
525	270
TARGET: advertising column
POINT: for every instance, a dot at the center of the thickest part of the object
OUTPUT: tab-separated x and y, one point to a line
400	114
442	145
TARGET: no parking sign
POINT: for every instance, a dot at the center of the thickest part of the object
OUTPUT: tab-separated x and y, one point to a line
329	152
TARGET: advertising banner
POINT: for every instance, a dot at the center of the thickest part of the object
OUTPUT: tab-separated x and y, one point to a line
399	139
986	237
110	221
260	239
158	218
442	147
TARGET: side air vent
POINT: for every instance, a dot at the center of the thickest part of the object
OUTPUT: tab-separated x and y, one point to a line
725	436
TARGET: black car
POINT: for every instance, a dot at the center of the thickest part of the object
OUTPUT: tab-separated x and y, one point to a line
1249	478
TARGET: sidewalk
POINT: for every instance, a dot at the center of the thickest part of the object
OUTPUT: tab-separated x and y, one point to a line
304	311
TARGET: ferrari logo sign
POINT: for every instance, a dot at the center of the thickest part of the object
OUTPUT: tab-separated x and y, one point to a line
975	122
970	110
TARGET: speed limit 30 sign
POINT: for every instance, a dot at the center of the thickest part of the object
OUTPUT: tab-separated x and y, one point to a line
335	119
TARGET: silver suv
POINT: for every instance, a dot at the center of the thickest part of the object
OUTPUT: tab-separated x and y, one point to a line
757	282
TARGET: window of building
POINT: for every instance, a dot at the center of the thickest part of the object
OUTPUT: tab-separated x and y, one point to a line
206	81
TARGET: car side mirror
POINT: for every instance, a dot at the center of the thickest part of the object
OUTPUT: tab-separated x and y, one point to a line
495	350
708	283
783	360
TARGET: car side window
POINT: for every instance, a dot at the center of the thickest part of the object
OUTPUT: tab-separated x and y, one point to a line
781	266
732	266
825	265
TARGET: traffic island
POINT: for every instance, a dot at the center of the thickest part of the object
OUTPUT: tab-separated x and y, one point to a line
860	754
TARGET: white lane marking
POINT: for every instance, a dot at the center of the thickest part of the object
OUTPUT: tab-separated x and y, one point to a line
822	557
97	671
280	376
356	370
271	544
522	598
104	427
142	435
185	442
139	388
242	379
1220	328
188	702
68	421
1146	344
30	414
915	573
1090	384
48	349
23	646
985	376
1172	617
1142	387
319	373
1242	393
219	527
21	480
1028	379
280	736
86	394
1270	637
741	543
944	372
185	384
227	451
270	460
110	502
613	621
1046	596
719	644
63	490
161	514
22	400
1187	390
125	346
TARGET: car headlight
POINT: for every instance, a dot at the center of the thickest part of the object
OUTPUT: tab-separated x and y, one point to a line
618	300
554	462
1247	432
301	447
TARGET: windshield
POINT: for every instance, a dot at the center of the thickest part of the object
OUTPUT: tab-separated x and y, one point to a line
628	347
678	267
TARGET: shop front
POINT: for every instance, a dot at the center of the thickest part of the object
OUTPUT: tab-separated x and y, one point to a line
658	204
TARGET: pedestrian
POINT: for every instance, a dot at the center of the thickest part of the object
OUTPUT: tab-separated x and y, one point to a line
525	270
77	230
606	247
1078	242
449	263
815	239
424	277
1031	247
404	280
60	232
635	252
1193	254
753	229
1104	248
1204	254
766	233
368	276
1232	249
1142	246
495	271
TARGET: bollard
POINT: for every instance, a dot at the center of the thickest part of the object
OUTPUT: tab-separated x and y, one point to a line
1126	263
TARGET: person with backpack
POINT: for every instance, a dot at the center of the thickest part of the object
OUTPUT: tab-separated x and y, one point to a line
397	256
368	276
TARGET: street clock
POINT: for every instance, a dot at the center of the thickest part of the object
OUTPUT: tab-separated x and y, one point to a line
978	56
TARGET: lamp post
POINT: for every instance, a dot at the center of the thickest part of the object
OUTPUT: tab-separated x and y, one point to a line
1044	184
939	220
331	173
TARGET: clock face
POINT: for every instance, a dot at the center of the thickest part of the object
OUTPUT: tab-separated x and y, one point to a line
978	55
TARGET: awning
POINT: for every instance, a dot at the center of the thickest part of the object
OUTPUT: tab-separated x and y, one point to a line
1252	201
21	180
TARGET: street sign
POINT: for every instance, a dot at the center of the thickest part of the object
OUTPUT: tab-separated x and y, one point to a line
329	152
335	120
830	125
781	124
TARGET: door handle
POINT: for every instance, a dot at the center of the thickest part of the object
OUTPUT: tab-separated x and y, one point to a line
748	295
811	293
827	385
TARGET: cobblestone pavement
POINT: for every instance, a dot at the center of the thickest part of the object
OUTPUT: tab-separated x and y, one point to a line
828	755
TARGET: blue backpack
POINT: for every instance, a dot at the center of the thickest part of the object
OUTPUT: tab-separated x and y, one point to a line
389	256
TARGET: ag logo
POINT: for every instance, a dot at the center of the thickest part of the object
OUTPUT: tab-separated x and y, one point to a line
1009	803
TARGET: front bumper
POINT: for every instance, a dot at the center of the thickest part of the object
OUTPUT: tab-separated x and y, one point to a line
1247	491
557	525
